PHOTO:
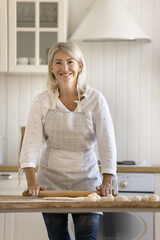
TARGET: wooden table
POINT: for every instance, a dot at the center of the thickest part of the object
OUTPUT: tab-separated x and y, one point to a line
10	204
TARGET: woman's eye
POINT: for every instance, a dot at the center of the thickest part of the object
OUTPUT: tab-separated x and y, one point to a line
58	62
70	62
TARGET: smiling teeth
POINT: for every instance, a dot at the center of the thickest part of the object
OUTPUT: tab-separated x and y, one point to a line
65	75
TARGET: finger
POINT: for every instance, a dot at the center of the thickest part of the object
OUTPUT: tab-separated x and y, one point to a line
110	191
33	192
42	188
107	191
29	191
114	192
37	191
98	188
103	191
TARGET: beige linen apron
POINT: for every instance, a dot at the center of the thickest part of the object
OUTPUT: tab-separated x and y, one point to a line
68	160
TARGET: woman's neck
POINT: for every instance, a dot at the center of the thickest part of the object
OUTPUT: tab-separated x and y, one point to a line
68	92
67	97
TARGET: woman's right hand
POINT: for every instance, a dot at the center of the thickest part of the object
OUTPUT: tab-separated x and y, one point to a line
34	189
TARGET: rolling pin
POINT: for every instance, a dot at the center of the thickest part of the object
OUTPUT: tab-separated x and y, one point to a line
51	193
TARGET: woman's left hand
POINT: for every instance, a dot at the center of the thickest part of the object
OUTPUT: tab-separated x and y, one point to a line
106	186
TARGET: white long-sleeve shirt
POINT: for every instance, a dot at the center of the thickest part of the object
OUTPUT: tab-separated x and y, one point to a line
93	102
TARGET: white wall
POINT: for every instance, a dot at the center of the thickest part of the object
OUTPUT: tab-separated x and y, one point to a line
128	74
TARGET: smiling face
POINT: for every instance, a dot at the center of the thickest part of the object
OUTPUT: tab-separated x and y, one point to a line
65	68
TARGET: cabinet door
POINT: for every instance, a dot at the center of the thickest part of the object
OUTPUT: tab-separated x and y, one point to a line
19	226
24	226
2	226
3	35
34	27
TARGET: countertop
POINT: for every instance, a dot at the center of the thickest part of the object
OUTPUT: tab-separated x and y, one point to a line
36	204
126	168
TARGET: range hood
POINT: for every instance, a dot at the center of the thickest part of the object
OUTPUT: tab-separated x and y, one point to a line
109	20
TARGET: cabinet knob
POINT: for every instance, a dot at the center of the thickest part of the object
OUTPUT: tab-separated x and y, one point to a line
5	176
123	184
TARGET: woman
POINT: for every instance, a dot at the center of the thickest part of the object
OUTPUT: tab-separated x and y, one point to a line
69	118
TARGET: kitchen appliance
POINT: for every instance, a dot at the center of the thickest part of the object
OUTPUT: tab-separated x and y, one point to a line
108	21
129	225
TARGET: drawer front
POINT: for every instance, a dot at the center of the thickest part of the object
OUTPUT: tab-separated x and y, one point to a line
9	183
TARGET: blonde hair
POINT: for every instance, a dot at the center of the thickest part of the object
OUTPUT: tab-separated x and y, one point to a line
73	51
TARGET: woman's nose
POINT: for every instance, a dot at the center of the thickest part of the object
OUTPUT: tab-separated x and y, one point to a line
65	66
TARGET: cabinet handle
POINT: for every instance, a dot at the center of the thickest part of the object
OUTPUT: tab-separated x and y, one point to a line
5	176
123	184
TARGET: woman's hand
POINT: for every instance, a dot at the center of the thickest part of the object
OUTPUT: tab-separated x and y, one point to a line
33	190
106	186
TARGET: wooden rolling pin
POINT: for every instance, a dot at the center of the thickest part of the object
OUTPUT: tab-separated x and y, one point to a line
51	193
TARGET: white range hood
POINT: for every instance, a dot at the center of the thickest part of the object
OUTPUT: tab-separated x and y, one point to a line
109	20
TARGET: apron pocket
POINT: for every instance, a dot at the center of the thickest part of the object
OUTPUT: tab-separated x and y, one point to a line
64	161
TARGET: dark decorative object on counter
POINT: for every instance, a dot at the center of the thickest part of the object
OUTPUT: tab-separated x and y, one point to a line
126	162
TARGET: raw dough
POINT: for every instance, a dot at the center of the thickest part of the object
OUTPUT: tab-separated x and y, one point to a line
121	198
145	198
78	199
153	198
109	197
92	197
136	198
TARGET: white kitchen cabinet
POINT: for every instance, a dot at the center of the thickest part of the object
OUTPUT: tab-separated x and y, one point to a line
3	35
34	25
24	226
19	226
157	214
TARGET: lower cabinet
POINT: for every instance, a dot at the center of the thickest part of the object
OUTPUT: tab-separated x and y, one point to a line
19	226
22	226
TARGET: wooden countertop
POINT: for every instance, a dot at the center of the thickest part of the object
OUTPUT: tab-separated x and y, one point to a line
134	168
36	204
138	169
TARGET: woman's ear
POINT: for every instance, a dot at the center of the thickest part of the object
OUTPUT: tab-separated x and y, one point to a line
51	67
80	67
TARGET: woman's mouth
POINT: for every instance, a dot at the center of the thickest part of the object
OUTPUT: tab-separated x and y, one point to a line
65	74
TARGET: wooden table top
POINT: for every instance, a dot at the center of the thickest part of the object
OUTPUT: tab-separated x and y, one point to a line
36	204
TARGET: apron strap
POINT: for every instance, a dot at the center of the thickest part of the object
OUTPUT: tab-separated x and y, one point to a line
54	98
79	108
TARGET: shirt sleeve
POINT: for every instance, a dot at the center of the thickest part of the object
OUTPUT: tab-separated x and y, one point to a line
106	139
33	136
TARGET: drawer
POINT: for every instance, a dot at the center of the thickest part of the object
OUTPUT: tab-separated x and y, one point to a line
9	183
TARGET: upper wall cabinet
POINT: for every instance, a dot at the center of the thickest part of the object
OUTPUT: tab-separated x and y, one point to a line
3	35
34	26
